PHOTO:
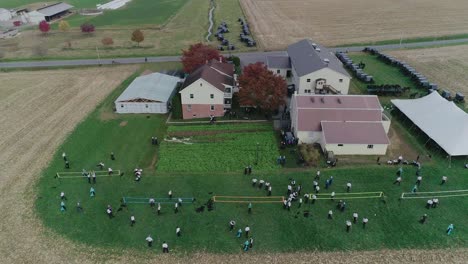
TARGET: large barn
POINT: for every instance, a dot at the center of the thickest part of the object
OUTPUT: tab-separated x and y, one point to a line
49	13
344	124
150	93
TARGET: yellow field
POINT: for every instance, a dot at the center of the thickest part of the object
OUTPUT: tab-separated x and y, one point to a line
277	23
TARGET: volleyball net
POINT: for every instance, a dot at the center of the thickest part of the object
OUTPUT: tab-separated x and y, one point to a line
248	199
146	200
84	174
347	196
436	194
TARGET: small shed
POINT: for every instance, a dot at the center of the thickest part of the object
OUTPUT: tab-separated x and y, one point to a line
150	93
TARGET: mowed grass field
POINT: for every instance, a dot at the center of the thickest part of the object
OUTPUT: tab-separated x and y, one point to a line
392	224
278	23
142	13
383	74
446	66
229	11
181	28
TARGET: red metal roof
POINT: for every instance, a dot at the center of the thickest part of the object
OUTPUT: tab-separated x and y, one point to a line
354	133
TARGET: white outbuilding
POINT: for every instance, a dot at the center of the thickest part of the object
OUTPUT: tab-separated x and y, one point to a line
150	93
5	14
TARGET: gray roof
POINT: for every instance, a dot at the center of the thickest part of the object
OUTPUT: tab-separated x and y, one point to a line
307	59
152	87
54	9
278	62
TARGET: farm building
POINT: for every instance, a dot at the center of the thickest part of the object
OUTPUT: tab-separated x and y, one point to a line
208	90
346	125
150	93
5	14
49	13
441	120
312	69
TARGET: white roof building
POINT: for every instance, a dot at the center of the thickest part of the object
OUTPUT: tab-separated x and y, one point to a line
150	93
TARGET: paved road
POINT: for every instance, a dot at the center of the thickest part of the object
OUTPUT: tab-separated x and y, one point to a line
246	57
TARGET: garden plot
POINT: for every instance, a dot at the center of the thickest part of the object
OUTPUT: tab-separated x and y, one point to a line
224	149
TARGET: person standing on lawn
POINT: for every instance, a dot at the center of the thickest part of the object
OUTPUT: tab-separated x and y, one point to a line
149	239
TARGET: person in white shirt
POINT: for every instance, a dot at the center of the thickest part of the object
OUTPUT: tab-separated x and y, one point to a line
435	202
317	176
398	180
348	187
364	222
348	225
355	217
179	201
165	247
232	223
317	189
132	220
149	239
332	196
444	179
152	202
429	203
269	190
330	214
247	230
62	196
159	208
170	194
110	171
418	180
178	231
285	204
254	182
176	208
314	198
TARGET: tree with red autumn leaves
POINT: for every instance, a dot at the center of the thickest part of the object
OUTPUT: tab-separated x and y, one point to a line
87	28
44	27
197	55
261	88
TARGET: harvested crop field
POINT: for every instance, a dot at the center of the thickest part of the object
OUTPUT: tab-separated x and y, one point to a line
39	109
278	23
446	66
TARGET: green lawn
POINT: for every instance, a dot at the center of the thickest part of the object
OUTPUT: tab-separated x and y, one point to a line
229	11
195	171
136	12
75	3
383	74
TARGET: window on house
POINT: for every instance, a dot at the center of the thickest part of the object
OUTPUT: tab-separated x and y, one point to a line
341	80
307	91
212	108
308	80
201	84
146	105
189	108
211	96
121	105
370	146
340	145
191	96
278	71
227	90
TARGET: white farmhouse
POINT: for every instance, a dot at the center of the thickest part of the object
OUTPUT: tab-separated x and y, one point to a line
312	69
150	93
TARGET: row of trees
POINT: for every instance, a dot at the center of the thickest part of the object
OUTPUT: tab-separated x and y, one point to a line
261	88
64	26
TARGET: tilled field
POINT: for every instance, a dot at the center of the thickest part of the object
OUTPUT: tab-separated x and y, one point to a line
278	23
